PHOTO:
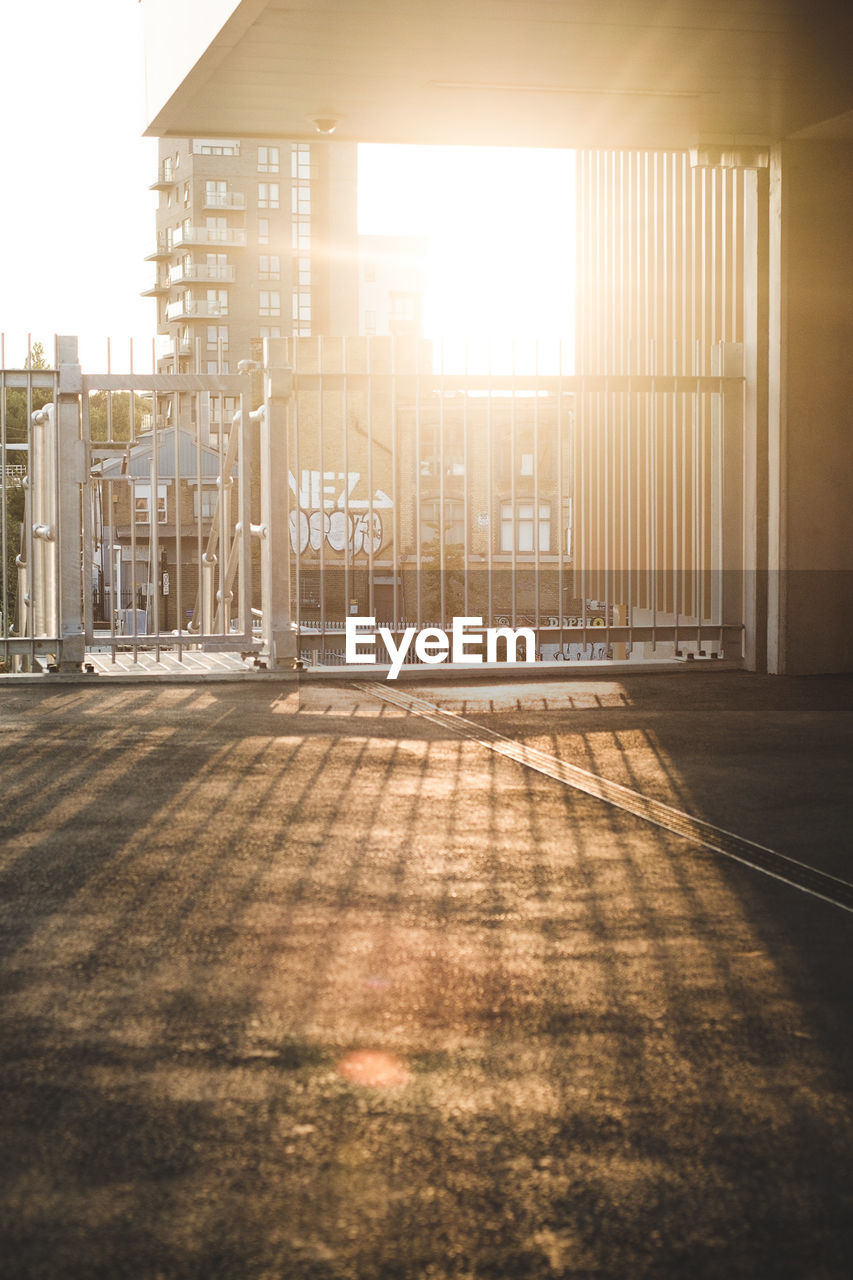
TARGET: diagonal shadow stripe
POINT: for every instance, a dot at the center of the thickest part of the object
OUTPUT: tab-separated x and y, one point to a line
839	893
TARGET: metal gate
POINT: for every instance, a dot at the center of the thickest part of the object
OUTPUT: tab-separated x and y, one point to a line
137	510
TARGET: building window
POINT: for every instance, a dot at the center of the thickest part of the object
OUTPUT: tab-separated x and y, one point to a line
216	229
519	533
142	504
263	230
204	503
217	266
370	322
268	195
300	162
215	147
214	366
269	331
454	521
301	235
304	272
302	315
217	302
222	410
268	159
370	271
186	194
436	455
269	303
216	334
300	201
215	194
269	266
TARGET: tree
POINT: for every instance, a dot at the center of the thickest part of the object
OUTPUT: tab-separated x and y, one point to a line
109	415
431	580
36	358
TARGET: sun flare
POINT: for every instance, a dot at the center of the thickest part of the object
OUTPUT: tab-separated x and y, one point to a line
500	225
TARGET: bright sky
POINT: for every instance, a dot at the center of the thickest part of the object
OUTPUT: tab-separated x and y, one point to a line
501	227
78	218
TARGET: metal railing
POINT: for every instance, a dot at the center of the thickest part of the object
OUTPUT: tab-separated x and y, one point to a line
196	309
602	513
224	200
234	236
195	272
371	478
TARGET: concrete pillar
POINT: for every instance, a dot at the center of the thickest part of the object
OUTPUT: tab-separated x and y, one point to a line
810	409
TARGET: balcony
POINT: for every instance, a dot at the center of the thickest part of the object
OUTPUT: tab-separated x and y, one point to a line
162	250
200	273
223	200
192	309
235	237
178	348
166	177
155	289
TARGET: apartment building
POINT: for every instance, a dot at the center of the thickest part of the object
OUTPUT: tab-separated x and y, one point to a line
254	239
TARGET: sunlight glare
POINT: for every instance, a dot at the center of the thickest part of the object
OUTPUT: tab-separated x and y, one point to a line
500	223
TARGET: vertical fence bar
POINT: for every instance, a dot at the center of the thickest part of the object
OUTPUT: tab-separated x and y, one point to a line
295	518
515	522
442	521
491	531
368	533
563	510
466	493
537	531
244	516
154	518
395	497
4	510
279	643
180	611
71	479
348	541
418	501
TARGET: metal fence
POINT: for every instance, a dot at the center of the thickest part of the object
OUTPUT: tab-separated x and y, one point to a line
602	513
372	478
130	528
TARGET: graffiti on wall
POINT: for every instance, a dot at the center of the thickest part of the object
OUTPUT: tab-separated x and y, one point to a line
340	532
332	508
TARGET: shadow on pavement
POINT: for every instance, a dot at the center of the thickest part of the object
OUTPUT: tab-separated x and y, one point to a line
581	1047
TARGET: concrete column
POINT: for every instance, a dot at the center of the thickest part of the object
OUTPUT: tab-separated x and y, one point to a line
810	410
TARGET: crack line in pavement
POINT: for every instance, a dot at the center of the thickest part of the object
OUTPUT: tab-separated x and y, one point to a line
839	893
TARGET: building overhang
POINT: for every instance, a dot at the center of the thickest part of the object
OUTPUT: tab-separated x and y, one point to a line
546	73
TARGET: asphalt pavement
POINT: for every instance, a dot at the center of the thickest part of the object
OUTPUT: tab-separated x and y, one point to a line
297	983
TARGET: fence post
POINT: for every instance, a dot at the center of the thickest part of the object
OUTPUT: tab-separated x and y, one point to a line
72	466
280	641
727	498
